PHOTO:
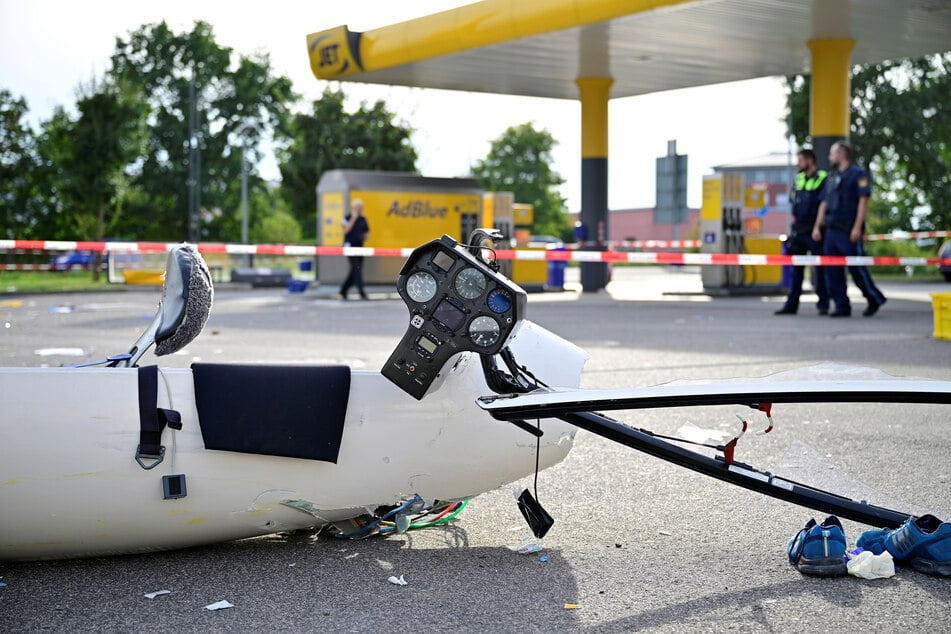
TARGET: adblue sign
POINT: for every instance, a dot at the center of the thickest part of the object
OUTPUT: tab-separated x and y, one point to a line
406	218
419	208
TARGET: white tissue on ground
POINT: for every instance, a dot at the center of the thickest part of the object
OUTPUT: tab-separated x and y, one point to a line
868	565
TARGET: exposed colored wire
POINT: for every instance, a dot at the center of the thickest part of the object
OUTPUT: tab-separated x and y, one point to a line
362	532
443	517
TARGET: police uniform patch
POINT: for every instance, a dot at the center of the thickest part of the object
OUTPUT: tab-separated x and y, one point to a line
863	182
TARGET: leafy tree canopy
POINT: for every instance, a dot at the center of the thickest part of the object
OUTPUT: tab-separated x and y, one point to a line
519	161
901	130
237	103
17	162
329	137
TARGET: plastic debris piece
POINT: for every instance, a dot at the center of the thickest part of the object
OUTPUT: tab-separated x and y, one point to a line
398	581
219	605
868	565
572	606
152	595
2	585
527	547
665	533
543	559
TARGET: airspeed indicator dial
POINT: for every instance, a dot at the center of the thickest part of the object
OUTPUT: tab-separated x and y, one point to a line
421	286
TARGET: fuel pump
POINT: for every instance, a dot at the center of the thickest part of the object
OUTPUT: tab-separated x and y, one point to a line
721	229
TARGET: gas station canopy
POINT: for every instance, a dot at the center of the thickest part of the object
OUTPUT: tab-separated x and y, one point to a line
541	47
598	50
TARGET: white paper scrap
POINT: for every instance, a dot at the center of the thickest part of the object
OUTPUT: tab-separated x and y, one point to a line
399	581
220	605
60	352
152	595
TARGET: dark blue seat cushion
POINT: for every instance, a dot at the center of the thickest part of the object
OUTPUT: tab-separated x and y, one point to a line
291	411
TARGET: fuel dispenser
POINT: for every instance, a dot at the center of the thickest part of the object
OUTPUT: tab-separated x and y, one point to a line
402	210
731	223
755	240
721	229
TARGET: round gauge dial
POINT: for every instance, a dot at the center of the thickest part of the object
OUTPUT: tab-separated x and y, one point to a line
470	283
499	301
484	331
421	286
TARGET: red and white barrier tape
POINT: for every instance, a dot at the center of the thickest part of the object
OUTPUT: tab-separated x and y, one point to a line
645	244
711	259
908	235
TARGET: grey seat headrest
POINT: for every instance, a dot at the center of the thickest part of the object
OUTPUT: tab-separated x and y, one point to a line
187	297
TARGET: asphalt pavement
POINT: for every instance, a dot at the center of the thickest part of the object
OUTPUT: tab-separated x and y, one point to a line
638	544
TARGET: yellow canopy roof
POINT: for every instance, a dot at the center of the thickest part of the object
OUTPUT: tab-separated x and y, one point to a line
540	47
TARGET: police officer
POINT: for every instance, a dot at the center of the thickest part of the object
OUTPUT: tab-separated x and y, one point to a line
805	207
840	224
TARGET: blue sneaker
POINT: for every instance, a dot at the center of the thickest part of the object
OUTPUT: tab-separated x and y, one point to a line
819	549
923	542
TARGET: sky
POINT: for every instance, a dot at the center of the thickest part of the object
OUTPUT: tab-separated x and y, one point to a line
49	47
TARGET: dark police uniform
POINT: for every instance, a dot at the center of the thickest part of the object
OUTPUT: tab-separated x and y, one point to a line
805	206
841	194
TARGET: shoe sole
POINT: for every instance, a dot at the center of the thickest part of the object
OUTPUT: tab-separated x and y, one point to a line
931	567
826	567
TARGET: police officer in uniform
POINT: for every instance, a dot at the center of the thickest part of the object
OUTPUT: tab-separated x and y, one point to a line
805	207
840	224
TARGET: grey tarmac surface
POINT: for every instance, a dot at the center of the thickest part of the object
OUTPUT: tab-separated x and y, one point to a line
638	544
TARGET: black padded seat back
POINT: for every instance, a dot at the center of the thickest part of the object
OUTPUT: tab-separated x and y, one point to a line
291	411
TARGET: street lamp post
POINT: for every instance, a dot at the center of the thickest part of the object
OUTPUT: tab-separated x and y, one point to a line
244	195
244	189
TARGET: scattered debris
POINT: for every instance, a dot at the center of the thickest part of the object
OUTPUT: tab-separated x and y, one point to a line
543	559
527	547
572	606
665	533
398	581
220	605
61	352
152	595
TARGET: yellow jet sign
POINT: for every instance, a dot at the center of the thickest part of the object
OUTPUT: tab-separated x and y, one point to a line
334	53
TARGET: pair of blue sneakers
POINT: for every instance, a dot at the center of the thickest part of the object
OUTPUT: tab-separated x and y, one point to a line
922	542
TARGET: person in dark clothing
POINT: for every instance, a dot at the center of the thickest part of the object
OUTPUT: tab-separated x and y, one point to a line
840	224
805	207
355	232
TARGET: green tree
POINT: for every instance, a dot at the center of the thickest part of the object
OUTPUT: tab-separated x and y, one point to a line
51	214
900	130
329	138
105	139
237	105
18	163
273	222
520	162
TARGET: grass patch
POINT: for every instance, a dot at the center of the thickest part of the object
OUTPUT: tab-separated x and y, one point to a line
16	282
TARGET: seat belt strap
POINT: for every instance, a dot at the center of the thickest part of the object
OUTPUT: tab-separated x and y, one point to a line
152	419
